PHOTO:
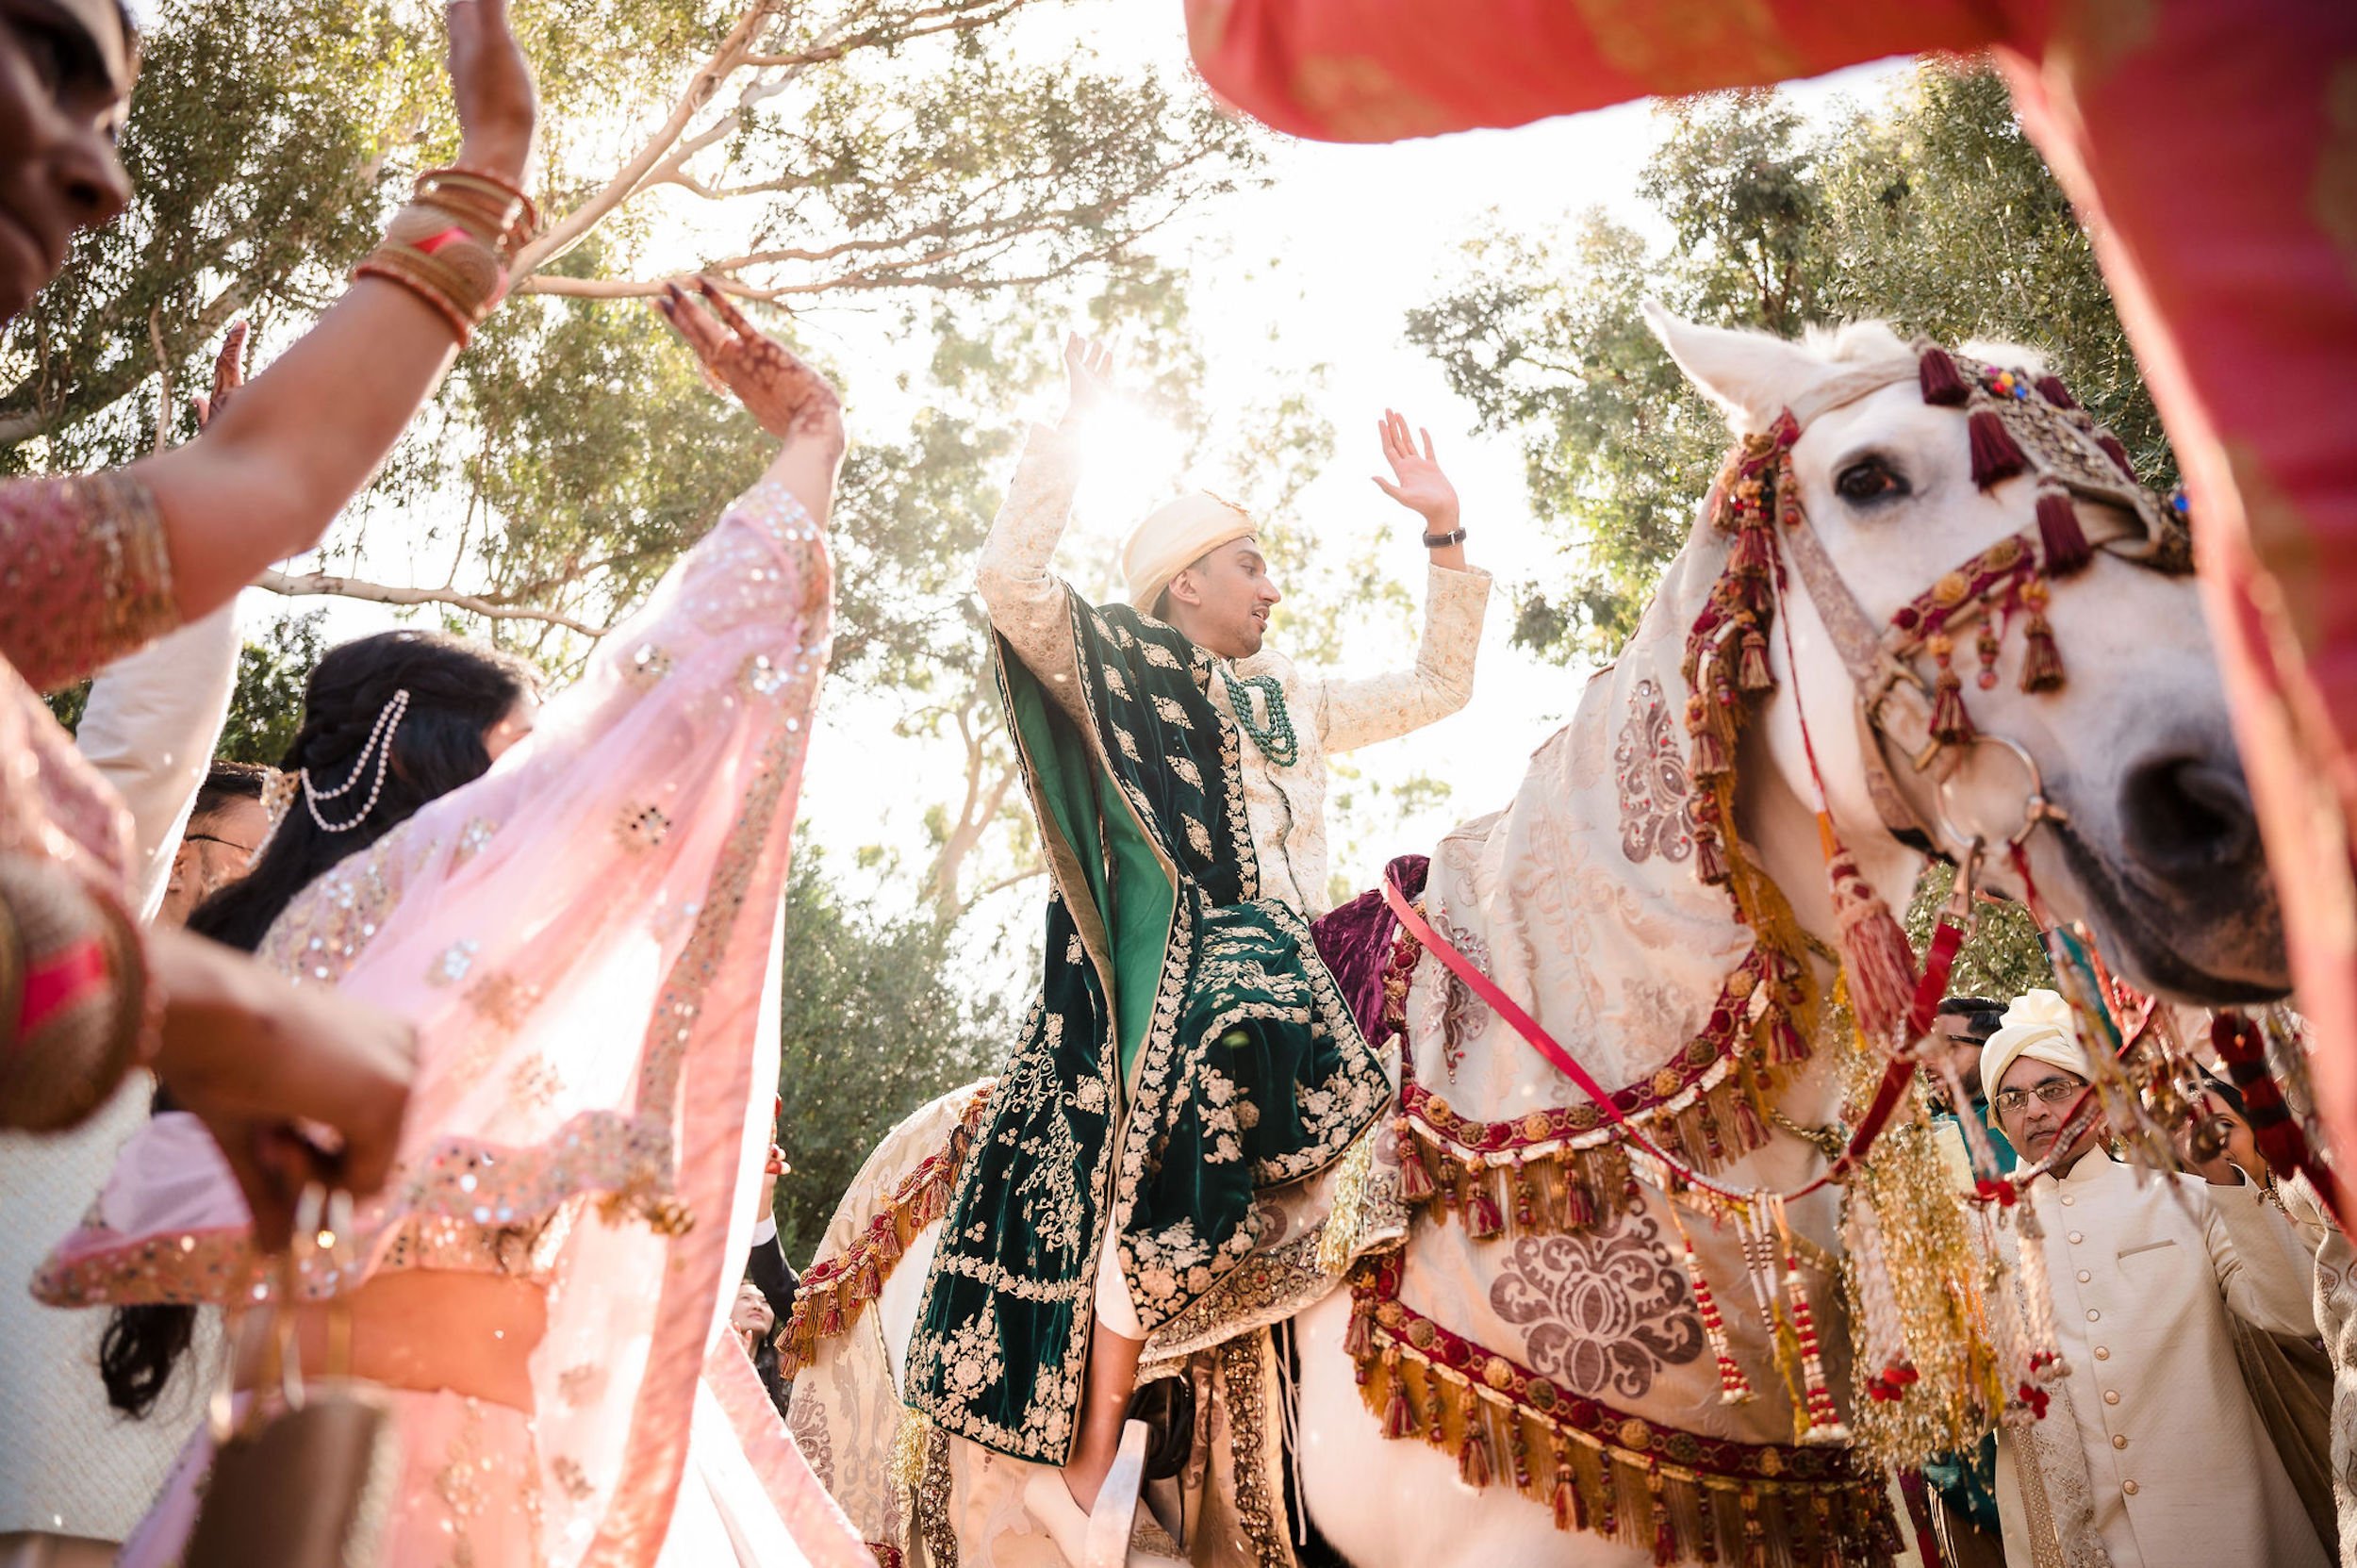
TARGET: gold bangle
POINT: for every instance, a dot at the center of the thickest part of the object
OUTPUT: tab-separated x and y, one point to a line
500	201
382	264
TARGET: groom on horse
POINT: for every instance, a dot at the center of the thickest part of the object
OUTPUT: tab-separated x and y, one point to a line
1189	1052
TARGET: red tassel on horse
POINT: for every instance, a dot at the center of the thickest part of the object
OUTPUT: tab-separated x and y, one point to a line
1755	675
1482	1218
1943	383
1996	455
1415	1180
2050	388
1951	724
1473	1456
1874	951
2116	452
2064	542
2041	661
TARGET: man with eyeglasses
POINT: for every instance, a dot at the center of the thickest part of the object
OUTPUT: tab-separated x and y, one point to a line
2150	1452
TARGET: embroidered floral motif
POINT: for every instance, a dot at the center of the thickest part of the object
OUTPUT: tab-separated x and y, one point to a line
972	1361
503	998
1606	1309
1171	713
806	1424
1657	811
1463	1014
535	1082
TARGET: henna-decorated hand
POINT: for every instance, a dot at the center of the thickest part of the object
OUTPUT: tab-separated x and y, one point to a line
792	400
229	377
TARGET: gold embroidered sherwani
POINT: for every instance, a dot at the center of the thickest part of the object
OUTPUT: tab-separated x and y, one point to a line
1286	807
2181	1472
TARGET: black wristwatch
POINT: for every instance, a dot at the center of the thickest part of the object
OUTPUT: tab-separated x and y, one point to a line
1442	541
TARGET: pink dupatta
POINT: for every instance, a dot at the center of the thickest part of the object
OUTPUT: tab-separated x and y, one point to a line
581	937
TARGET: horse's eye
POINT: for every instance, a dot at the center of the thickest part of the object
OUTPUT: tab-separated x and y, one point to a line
1869	479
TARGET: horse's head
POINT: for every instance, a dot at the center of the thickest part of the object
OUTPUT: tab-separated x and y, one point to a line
2154	841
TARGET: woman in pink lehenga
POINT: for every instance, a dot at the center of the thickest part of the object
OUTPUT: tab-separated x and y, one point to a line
581	939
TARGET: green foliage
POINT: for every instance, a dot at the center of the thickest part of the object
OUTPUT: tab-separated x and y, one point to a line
267	708
1936	214
2003	955
874	1024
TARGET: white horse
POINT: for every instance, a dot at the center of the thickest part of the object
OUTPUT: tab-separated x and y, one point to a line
1580	899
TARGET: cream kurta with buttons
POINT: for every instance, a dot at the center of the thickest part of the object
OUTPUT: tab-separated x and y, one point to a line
2180	1469
1286	807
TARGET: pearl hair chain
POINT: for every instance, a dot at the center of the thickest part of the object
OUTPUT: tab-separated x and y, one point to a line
380	744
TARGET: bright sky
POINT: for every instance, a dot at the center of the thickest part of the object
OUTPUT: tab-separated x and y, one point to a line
1319	268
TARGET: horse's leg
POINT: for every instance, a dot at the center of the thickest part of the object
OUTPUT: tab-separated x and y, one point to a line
1383	1503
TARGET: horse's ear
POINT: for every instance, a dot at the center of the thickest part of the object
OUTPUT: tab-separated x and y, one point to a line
1752	375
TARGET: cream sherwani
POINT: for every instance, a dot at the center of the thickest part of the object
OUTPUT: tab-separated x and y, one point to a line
2180	1469
1286	805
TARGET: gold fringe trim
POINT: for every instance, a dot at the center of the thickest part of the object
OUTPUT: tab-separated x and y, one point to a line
1683	1495
1346	1218
837	1289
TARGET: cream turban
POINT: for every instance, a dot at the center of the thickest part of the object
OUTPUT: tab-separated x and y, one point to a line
1176	535
2037	1025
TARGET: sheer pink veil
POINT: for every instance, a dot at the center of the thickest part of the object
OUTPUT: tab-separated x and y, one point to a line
582	938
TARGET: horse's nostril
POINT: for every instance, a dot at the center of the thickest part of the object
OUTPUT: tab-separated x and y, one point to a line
2188	816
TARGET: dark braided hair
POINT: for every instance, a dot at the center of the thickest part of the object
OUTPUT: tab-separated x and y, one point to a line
458	691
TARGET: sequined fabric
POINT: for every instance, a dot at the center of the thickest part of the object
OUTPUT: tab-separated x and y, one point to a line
84	574
586	988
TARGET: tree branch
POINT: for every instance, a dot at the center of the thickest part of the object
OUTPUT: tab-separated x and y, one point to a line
385	593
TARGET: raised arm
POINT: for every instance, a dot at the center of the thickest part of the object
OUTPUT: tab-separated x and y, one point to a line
265	479
1027	600
1359	713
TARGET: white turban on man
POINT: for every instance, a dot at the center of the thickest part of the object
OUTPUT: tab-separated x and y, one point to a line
1173	537
2039	1026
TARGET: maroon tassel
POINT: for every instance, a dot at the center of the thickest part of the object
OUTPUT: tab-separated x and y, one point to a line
1785	1043
1755	675
1707	758
1942	383
1399	1416
1579	1205
1949	722
1525	1207
2116	452
1415	1180
1665	1535
1360	1337
1748	1126
1571	1508
1874	951
2041	661
1996	457
1473	1456
1710	856
871	1281
2058	530
888	1246
1482	1218
1750	557
2055	393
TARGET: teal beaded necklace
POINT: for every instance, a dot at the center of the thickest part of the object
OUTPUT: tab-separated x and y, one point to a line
1275	738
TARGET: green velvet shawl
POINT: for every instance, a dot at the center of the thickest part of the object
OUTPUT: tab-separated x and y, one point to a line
1188	1048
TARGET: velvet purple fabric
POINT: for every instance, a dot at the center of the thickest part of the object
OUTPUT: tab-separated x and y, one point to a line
1355	940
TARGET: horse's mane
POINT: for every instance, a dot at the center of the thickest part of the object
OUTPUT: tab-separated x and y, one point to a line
1862	342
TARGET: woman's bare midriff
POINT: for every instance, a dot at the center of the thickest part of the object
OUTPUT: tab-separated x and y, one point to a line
429	1330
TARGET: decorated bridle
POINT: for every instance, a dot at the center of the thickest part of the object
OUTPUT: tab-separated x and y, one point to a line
2019	425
